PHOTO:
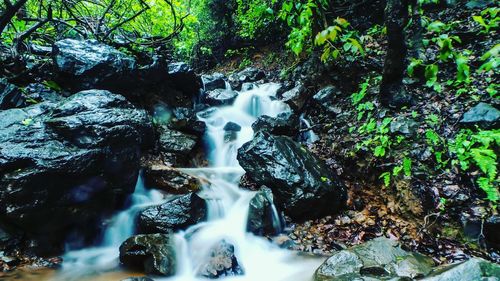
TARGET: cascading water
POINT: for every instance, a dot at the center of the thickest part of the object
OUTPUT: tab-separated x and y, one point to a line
227	206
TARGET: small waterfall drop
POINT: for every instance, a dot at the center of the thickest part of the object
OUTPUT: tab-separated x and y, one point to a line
309	136
227	206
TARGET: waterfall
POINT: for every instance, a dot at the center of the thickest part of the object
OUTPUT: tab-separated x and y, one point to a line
227	206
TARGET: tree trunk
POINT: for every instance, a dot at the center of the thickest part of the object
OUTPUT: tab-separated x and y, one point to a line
392	90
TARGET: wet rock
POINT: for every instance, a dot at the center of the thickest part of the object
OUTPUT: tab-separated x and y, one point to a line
247	87
250	74
286	123
184	78
220	97
325	98
263	218
296	97
297	178
231	126
177	142
88	64
10	95
221	262
472	269
214	81
185	120
404	126
138	279
170	179
85	150
378	259
483	115
176	214
492	231
151	253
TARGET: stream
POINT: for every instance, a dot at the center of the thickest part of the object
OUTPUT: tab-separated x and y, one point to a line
227	208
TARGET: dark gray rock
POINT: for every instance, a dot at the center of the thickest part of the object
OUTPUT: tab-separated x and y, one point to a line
492	231
176	214
10	95
221	262
184	78
214	81
326	99
404	126
220	97
88	64
286	123
185	120
231	126
378	259
472	269
37	92
247	86
483	115
138	279
250	74
296	98
263	218
151	253
177	142
68	163
170	179
297	178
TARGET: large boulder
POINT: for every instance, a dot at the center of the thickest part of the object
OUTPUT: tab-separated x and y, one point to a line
263	217
221	261
296	97
185	120
63	165
214	81
472	269
177	142
326	99
483	115
10	95
250	74
151	253
88	64
176	214
378	259
297	178
286	123
184	78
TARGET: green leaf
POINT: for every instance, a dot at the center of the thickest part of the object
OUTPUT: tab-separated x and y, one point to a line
407	166
387	178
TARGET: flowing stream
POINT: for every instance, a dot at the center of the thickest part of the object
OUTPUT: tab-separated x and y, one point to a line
227	205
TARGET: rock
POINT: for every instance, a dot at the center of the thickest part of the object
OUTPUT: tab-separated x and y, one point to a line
138	279
184	78
472	269
250	74
296	97
263	218
170	179
221	262
286	123
37	92
247	87
378	259
492	231
10	96
151	253
214	81
176	214
220	97
297	178
404	126
177	142
185	120
88	64
325	98
85	151
231	126
483	115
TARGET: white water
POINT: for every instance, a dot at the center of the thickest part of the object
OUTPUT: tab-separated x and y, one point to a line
227	207
309	135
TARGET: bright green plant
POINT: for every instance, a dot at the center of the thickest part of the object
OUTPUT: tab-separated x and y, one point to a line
488	19
338	39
